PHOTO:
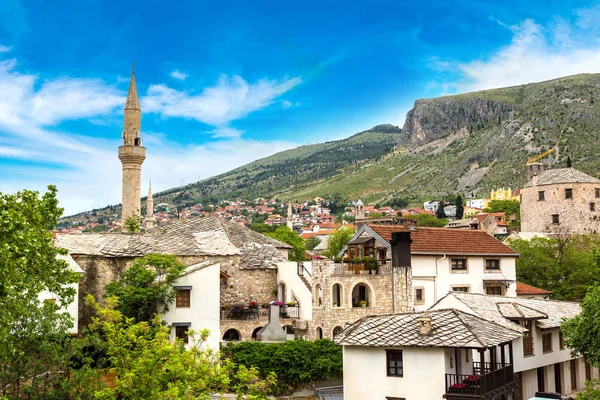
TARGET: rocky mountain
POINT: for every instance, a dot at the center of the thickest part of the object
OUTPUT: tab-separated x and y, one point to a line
469	143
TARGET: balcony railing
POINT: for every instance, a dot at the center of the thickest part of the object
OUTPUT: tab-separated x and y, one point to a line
359	269
258	313
479	385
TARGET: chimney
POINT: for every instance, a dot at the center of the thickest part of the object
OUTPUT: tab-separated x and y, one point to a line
534	180
534	169
272	332
425	325
401	249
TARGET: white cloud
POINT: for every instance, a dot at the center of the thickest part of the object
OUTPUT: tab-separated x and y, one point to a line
230	99
4	49
178	75
87	170
536	53
285	104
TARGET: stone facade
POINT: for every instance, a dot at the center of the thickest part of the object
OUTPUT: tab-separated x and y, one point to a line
558	214
380	296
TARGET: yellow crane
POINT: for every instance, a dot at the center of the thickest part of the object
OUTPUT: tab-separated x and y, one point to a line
544	154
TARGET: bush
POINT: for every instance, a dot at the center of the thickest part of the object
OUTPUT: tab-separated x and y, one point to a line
296	362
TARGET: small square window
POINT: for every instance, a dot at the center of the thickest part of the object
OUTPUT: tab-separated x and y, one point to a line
464	289
592	206
394	363
555	219
541	196
419	296
459	264
492	263
181	333
182	298
568	193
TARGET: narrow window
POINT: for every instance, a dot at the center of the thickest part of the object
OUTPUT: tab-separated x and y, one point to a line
528	338
182	298
492	263
459	264
592	206
541	196
394	363
181	332
464	289
568	193
419	299
598	193
555	219
547	342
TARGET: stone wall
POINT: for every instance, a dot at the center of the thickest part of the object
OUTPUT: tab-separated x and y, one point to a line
575	215
327	316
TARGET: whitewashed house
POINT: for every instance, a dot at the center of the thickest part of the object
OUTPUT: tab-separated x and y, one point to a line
72	308
427	356
443	260
541	361
431	206
197	303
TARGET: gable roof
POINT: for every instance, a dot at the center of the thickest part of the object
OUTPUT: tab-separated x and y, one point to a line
562	175
491	308
191	237
443	240
450	328
524	289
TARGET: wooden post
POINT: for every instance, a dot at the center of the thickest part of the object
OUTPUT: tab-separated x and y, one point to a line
482	361
502	356
510	353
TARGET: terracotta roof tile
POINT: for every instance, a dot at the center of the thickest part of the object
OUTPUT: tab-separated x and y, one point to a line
447	241
524	289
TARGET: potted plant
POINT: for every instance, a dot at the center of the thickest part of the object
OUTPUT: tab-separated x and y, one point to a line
362	303
337	260
336	305
278	303
253	304
291	303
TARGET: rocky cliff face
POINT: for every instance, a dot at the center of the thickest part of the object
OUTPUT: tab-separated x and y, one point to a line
431	119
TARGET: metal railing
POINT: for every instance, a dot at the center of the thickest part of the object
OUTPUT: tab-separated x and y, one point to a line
258	313
359	269
479	384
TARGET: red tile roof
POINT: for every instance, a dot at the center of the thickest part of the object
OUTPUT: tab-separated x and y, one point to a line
447	241
524	289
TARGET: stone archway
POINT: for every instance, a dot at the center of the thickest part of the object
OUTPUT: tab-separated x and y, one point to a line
231	335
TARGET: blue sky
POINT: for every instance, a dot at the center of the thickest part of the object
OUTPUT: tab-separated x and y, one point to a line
224	83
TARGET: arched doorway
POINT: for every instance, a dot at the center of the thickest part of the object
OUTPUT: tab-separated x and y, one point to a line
337	330
231	335
361	295
319	333
255	332
318	296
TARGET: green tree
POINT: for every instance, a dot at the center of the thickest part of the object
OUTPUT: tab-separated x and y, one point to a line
430	220
337	240
132	224
145	289
460	209
566	265
440	213
262	227
149	366
512	208
286	235
32	333
582	333
312	242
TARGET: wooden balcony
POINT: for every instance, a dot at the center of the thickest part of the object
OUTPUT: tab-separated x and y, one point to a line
488	381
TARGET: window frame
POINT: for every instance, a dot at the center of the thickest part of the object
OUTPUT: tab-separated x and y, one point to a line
180	299
569	193
494	287
592	206
492	269
528	339
394	356
597	192
420	301
541	195
452	263
181	333
546	342
459	288
555	219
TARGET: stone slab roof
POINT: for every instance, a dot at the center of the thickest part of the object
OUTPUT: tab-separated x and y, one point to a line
450	328
524	289
487	307
515	311
562	175
192	237
447	241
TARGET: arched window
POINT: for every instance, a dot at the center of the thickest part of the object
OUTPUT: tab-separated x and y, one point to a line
318	295
336	295
361	296
282	292
231	335
319	333
337	330
255	332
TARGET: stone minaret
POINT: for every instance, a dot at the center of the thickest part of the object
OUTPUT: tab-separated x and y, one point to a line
132	154
360	210
150	209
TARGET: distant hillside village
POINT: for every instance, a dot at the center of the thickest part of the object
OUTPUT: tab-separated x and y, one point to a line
426	301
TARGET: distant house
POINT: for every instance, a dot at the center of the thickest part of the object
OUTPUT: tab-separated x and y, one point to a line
431	206
531	292
492	223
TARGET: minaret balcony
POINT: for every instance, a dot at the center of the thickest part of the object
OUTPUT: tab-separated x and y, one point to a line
132	154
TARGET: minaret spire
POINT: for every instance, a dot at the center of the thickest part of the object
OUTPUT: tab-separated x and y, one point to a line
150	209
132	154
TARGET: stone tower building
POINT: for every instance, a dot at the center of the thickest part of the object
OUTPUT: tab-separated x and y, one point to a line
150	209
132	154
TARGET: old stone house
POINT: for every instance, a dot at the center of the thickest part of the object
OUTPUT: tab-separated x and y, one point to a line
562	200
247	259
